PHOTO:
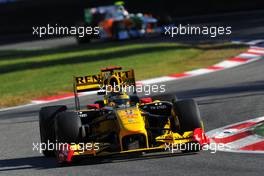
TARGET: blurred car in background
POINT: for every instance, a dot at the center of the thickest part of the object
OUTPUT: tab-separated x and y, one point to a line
116	23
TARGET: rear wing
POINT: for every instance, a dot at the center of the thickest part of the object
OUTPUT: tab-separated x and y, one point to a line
87	83
100	82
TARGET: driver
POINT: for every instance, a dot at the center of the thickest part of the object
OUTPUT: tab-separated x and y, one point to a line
119	100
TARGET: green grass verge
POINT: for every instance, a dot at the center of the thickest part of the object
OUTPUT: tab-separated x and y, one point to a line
36	73
259	130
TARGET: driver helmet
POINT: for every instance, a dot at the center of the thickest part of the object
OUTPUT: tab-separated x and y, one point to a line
119	100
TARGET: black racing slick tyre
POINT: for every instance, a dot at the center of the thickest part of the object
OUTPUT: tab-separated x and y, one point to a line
68	127
46	127
186	116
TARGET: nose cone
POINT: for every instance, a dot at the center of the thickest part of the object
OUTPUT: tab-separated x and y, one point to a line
131	121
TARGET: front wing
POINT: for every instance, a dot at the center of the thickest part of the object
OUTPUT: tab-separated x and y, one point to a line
169	141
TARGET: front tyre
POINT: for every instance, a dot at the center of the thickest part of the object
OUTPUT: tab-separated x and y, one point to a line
68	127
186	117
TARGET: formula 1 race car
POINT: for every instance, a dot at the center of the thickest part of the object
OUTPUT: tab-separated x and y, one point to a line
119	123
116	23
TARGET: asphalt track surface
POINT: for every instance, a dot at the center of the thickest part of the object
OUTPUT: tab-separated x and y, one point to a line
224	97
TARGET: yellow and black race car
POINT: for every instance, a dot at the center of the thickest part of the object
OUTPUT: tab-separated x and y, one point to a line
119	123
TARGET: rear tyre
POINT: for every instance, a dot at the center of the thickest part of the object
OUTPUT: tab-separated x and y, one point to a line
68	127
46	126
